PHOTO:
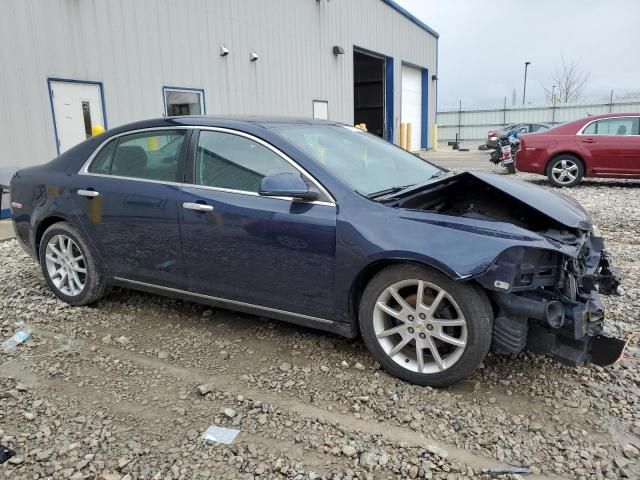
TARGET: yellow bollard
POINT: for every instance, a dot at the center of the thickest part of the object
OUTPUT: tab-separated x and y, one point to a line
409	131
434	137
403	135
96	130
153	144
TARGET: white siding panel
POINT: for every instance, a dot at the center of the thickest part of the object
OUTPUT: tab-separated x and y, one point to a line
136	47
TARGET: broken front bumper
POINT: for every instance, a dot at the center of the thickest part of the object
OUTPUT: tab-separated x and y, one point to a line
565	321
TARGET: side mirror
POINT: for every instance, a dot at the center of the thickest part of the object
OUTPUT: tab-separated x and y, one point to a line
287	185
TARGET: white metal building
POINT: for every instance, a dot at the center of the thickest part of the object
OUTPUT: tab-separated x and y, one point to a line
69	65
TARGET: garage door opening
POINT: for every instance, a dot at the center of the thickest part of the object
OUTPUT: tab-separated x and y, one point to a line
369	92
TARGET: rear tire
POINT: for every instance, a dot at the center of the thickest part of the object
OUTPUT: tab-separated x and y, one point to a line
399	325
70	267
565	171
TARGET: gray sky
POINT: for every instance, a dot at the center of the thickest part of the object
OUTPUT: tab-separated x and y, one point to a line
484	44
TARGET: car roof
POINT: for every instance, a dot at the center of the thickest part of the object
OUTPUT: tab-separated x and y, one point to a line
222	120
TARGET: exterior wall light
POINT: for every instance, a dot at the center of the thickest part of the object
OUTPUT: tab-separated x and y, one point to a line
254	56
224	51
338	50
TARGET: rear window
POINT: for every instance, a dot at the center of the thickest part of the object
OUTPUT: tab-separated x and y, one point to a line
150	155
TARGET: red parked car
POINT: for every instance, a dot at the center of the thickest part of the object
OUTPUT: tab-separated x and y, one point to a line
599	146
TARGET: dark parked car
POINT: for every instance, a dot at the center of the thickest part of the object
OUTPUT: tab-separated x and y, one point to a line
323	225
599	146
521	128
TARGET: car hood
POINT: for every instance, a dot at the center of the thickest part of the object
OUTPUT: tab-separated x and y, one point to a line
559	207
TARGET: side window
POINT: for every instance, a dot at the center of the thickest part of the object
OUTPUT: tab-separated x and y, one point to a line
149	155
614	126
230	161
591	129
102	162
536	127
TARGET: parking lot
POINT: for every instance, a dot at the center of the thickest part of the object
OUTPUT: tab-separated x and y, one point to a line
125	388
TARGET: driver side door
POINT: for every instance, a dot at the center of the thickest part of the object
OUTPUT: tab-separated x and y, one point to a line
268	252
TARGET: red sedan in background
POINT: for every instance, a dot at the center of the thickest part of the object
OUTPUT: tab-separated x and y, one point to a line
599	146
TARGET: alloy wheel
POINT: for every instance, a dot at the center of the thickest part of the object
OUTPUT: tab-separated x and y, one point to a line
565	171
66	265
420	326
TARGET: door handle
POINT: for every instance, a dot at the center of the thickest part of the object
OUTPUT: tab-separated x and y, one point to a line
588	140
198	207
88	193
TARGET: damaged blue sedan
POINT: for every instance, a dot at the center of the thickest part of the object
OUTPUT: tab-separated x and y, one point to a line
323	225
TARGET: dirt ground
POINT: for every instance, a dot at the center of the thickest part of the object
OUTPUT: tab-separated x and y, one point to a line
125	388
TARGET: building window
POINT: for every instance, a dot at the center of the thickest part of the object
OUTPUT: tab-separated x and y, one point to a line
183	101
321	109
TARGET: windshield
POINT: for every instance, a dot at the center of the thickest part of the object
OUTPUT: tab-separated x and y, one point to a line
362	160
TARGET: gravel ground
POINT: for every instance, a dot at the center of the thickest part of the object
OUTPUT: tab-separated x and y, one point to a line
124	389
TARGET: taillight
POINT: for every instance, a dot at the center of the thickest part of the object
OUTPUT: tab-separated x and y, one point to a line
492	134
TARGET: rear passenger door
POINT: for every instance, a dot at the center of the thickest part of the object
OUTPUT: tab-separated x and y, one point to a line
128	202
613	144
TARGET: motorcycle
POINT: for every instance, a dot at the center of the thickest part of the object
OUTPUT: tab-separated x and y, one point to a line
505	152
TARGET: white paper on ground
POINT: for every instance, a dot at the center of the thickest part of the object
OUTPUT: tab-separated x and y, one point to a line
220	434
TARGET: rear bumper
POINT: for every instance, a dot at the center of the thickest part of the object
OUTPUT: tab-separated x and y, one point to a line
531	160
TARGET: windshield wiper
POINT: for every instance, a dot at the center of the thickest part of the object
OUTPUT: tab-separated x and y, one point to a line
398	189
388	191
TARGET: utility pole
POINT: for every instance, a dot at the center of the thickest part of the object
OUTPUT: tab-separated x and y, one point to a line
504	112
611	102
459	122
553	105
524	89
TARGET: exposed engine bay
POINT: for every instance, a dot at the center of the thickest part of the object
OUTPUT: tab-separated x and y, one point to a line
545	300
469	197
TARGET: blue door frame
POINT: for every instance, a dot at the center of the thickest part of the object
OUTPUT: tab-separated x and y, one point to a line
424	143
388	90
53	113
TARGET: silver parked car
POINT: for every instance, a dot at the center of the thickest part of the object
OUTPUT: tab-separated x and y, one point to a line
521	128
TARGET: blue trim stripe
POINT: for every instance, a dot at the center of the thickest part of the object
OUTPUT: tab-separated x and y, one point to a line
424	142
388	92
6	213
402	11
53	112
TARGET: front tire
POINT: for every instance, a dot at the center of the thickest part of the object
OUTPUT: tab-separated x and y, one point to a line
70	266
423	327
565	171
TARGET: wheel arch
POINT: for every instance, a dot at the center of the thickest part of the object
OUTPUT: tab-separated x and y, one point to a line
370	270
570	153
42	227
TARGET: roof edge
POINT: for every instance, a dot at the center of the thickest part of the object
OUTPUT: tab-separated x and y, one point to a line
404	12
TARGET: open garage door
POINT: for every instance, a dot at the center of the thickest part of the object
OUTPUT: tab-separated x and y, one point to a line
411	106
369	92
